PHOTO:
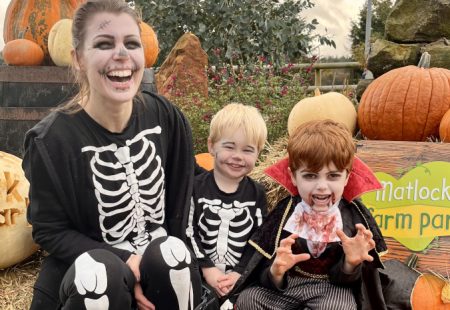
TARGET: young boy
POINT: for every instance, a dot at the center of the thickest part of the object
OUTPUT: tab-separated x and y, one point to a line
227	205
329	246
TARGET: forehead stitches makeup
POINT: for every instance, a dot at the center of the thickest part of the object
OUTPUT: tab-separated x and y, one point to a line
104	24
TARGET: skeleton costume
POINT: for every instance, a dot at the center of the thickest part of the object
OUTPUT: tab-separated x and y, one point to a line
96	197
220	224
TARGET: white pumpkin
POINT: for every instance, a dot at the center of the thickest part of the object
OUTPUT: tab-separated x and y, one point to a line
60	42
16	242
331	105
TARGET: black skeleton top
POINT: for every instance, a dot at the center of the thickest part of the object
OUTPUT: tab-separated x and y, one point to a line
91	188
220	224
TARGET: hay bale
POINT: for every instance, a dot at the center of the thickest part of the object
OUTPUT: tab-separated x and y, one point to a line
16	283
272	154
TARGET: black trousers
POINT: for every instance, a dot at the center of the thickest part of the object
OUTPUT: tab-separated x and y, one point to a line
170	278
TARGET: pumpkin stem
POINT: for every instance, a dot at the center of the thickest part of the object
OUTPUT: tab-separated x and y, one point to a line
424	61
316	92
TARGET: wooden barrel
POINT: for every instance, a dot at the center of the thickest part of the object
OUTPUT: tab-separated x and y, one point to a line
27	94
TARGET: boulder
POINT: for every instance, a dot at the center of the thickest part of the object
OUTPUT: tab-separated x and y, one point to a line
183	73
385	56
440	53
416	21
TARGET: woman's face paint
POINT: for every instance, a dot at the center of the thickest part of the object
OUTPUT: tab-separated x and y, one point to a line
112	58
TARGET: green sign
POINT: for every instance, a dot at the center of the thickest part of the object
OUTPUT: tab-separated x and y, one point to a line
415	208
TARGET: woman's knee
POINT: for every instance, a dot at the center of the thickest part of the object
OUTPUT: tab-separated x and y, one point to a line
97	276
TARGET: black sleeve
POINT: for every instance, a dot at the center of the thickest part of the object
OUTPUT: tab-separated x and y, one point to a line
193	237
267	281
53	228
339	277
179	173
249	251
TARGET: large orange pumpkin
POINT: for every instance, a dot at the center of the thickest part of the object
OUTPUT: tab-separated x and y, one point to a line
23	52
33	19
405	104
205	160
150	42
444	127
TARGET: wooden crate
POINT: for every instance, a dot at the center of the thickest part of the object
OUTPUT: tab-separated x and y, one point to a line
394	157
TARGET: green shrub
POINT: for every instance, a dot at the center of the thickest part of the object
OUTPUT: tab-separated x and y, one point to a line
273	92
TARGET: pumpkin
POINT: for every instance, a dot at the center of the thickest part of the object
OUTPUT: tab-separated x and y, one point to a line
444	127
427	293
150	43
331	105
405	104
33	19
205	160
15	232
60	42
23	52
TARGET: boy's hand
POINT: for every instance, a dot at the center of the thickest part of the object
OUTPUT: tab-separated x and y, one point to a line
285	260
357	248
212	276
227	281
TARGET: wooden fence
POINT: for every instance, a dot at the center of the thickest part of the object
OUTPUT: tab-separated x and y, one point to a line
318	67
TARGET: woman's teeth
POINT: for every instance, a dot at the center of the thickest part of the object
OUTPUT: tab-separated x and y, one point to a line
119	75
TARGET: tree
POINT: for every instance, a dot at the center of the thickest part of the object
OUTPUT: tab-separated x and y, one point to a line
239	29
380	13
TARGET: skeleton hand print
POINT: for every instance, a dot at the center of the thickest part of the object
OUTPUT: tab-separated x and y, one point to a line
90	275
129	187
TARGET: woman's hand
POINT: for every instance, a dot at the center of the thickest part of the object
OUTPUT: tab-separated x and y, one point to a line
357	248
212	276
285	260
142	302
227	281
134	261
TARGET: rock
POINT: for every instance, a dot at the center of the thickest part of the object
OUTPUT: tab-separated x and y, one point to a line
183	73
385	56
361	87
440	53
414	21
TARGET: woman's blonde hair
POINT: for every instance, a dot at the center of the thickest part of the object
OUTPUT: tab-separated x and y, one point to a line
237	115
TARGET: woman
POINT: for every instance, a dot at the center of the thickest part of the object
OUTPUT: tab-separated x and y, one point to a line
110	180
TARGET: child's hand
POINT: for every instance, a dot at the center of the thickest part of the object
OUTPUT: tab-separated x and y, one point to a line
212	276
285	260
227	282
357	248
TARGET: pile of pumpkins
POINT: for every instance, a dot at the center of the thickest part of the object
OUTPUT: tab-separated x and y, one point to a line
411	103
38	32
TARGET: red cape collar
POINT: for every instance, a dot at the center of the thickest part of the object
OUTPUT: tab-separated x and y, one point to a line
361	180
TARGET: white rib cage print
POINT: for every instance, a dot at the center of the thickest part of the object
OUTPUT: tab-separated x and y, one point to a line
224	229
129	187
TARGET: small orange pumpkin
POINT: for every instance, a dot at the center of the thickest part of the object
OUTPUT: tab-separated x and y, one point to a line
444	127
150	43
426	293
33	19
405	104
205	160
23	52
